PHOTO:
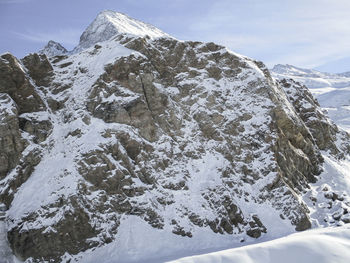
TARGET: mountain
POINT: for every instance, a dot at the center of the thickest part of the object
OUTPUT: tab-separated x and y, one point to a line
53	49
144	148
331	90
345	74
108	24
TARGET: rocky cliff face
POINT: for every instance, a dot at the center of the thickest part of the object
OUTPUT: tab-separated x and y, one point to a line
331	90
196	141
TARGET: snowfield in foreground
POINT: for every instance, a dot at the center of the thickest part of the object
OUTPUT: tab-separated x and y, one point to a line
319	245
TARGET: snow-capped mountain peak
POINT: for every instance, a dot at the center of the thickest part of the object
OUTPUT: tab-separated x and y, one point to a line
53	48
109	23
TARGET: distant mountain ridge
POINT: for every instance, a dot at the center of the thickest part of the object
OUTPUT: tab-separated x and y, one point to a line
291	70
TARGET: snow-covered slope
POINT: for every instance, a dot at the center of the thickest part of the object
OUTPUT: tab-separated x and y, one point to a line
321	246
140	148
109	23
331	90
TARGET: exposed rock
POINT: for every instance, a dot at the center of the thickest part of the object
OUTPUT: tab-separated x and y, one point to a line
322	129
11	142
14	82
39	69
22	171
69	235
39	128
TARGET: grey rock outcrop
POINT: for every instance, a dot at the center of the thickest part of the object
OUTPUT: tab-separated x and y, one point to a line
11	142
14	82
322	129
39	69
21	114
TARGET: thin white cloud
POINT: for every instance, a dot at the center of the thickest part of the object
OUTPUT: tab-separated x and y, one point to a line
14	1
69	37
305	33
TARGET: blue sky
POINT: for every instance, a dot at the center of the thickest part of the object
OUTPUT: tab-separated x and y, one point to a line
305	33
